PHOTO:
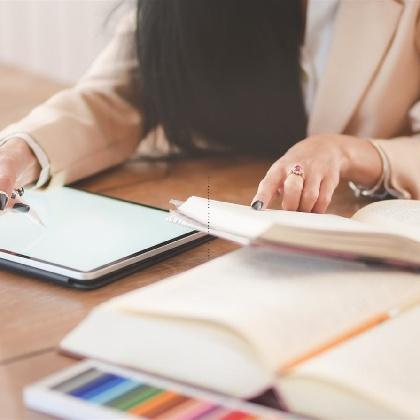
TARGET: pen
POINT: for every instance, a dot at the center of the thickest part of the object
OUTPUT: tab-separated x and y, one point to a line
21	207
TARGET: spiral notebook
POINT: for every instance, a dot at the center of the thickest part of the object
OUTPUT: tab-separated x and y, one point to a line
386	232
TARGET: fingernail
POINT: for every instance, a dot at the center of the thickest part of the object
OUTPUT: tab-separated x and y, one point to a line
21	207
3	200
257	205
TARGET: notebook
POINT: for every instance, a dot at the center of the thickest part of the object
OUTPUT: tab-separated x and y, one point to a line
257	319
385	231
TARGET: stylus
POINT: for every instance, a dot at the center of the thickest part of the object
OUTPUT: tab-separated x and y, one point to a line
22	207
33	215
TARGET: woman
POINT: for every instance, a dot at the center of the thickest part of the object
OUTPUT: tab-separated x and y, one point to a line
330	89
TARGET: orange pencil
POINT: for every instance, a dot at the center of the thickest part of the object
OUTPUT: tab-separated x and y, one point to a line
352	332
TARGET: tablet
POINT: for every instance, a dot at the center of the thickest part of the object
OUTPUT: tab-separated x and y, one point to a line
88	239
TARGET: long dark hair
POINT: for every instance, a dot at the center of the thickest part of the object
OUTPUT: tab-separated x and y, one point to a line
226	70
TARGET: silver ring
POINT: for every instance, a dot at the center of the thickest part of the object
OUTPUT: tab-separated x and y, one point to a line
20	191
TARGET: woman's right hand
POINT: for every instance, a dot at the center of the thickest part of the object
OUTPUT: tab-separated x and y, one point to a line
18	167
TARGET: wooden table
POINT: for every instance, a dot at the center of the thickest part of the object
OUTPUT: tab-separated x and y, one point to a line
35	316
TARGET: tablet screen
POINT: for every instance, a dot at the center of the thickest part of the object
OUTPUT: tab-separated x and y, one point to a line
84	231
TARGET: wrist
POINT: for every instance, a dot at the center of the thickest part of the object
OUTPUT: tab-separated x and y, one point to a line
362	162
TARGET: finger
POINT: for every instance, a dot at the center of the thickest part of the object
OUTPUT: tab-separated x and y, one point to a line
6	189
326	191
310	193
14	198
268	186
292	191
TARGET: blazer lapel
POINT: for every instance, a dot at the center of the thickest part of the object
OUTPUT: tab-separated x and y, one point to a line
362	32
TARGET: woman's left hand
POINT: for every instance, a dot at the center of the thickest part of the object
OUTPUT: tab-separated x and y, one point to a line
325	159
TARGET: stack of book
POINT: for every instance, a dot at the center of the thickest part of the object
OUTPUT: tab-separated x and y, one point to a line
333	337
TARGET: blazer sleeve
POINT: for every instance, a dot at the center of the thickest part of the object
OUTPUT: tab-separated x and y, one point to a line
97	123
403	153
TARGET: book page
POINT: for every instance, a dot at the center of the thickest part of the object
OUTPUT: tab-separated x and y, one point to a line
383	364
245	221
398	216
180	219
200	353
283	305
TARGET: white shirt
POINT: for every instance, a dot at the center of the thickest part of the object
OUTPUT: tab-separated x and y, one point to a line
320	17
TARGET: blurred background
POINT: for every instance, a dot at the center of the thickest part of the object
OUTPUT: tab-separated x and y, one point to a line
56	38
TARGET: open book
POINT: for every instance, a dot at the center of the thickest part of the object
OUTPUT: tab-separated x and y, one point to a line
385	231
312	329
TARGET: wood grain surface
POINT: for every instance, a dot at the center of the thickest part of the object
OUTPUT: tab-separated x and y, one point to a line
35	315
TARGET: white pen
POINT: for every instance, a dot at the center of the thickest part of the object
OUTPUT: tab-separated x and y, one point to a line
21	207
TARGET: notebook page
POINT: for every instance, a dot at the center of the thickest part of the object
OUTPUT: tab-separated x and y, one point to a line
243	220
282	304
171	349
400	216
178	218
383	364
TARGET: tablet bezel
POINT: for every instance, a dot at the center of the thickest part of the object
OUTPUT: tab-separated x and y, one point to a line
117	265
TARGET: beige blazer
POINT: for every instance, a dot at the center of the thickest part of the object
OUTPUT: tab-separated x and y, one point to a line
371	88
